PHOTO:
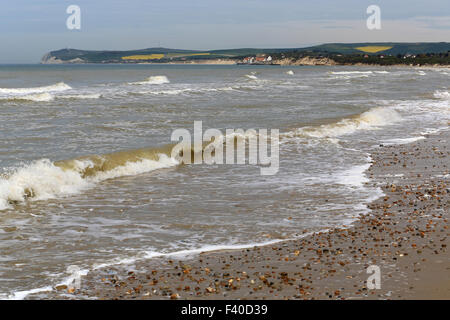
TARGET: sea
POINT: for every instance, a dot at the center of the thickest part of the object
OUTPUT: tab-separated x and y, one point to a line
87	177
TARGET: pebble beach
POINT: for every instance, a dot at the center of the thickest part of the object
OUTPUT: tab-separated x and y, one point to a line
405	234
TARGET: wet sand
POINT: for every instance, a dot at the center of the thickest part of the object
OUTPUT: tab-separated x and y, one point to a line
405	235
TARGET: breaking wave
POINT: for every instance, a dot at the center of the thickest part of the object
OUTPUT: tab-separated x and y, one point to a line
45	97
152	80
442	95
80	96
44	179
185	91
251	77
351	72
368	120
60	86
38	97
43	94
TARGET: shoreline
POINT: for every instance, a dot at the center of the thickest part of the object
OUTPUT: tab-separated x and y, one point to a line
405	234
280	63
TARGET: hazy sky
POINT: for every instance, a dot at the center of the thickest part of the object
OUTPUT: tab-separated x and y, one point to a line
30	28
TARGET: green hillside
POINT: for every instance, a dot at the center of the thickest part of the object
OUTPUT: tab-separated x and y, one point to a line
173	55
90	56
396	48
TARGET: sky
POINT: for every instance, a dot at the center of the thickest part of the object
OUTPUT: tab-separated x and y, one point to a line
30	28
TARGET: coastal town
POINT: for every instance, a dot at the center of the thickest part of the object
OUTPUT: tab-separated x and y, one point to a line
258	60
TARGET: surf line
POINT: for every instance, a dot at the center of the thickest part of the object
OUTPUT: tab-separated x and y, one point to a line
240	145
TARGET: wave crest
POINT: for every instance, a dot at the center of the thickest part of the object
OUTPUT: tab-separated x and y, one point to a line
442	94
351	72
37	97
186	91
251	77
44	179
60	86
153	80
371	119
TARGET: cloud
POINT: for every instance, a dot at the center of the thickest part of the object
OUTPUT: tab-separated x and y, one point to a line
30	30
434	22
336	27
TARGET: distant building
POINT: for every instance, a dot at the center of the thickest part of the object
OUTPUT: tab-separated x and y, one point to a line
260	59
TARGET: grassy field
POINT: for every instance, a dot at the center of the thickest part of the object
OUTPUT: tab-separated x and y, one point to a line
159	56
373	49
166	54
144	57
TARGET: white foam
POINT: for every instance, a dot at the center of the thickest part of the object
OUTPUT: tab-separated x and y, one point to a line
135	168
348	77
80	96
351	72
182	254
368	120
354	176
47	181
153	80
70	279
216	89
185	90
144	255
434	130
402	141
37	97
20	295
60	86
251	76
165	92
441	94
44	179
179	254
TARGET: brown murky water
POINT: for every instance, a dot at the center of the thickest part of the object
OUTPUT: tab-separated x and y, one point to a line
83	181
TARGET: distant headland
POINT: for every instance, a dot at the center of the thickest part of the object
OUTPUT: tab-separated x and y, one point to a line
382	53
